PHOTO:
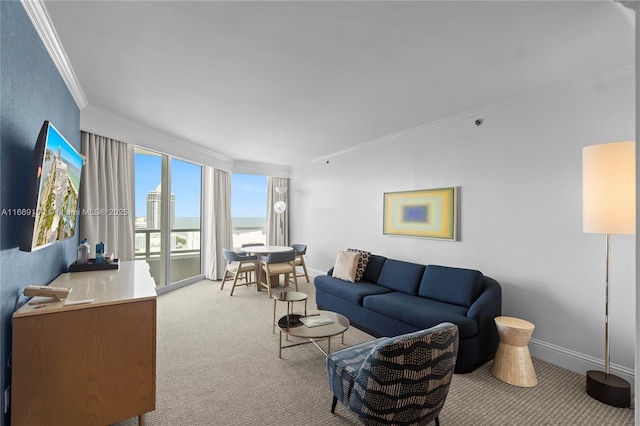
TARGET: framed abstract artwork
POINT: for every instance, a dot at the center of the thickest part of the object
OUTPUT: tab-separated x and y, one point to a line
428	213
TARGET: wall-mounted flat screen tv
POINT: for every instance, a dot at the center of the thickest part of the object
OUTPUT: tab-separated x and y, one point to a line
54	188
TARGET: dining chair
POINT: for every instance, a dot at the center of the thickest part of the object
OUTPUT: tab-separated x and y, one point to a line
301	250
275	264
244	253
238	265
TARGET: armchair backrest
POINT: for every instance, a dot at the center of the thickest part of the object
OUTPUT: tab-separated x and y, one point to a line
405	379
299	248
230	256
279	257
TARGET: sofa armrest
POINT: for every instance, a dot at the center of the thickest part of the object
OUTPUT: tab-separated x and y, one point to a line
484	310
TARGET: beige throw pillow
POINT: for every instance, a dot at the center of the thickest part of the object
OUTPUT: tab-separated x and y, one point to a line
346	265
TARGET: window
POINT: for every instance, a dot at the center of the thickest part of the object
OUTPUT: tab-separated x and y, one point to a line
248	209
186	190
168	228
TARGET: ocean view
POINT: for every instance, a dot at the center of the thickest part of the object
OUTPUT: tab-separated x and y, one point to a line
249	222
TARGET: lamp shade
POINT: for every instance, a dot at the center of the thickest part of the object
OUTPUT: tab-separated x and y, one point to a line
609	188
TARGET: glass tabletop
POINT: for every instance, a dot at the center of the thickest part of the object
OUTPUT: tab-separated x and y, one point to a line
339	325
289	296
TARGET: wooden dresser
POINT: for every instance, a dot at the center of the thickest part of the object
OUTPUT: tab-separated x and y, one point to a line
87	364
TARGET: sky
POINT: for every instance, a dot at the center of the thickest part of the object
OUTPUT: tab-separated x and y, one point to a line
185	184
248	192
55	140
248	195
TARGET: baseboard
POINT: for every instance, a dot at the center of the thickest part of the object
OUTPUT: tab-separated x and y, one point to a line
313	272
575	361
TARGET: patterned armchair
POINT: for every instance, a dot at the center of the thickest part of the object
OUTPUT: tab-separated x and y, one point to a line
402	380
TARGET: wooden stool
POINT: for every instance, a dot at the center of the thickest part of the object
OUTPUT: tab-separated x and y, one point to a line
512	363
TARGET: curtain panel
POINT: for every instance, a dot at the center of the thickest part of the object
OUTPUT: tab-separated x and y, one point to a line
217	219
107	196
277	223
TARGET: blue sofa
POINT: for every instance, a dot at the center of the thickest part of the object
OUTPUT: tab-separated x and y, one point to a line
395	297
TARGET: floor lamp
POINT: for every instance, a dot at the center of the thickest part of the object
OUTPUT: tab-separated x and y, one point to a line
609	199
279	207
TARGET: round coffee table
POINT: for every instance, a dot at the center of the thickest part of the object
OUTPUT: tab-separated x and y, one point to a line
512	363
337	327
289	297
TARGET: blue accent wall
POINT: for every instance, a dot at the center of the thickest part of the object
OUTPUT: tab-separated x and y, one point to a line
31	91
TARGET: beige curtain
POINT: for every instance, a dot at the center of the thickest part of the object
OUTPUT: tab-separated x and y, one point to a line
107	196
217	214
277	223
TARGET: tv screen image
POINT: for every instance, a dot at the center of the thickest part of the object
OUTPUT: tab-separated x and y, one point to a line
54	190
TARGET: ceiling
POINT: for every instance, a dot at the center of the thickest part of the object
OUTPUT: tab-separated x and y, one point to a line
288	82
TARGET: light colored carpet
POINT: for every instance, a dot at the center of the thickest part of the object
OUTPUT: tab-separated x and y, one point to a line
217	364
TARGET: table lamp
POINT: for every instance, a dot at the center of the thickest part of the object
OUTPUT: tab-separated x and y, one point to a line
609	207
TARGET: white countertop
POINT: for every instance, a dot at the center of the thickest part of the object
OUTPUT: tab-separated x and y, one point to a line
131	281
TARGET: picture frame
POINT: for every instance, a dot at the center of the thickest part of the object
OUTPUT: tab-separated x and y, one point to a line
426	213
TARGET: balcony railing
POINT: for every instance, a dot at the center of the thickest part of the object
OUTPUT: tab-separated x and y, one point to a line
152	241
184	256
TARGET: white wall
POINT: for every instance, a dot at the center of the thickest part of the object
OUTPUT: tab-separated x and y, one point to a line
520	180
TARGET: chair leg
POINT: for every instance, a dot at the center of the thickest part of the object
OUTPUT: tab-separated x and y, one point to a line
268	282
437	421
304	268
295	278
235	280
333	405
223	280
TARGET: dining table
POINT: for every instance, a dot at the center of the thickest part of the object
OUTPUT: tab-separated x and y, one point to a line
263	250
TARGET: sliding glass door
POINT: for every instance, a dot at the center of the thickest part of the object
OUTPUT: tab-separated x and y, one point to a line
186	190
168	221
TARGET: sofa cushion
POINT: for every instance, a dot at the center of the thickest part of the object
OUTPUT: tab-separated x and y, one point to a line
363	261
353	293
373	268
401	276
421	312
451	285
346	265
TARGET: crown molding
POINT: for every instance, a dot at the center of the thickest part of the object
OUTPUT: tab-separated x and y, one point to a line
39	17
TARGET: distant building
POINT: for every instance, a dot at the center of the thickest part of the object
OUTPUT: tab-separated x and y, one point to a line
153	221
154	208
141	223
